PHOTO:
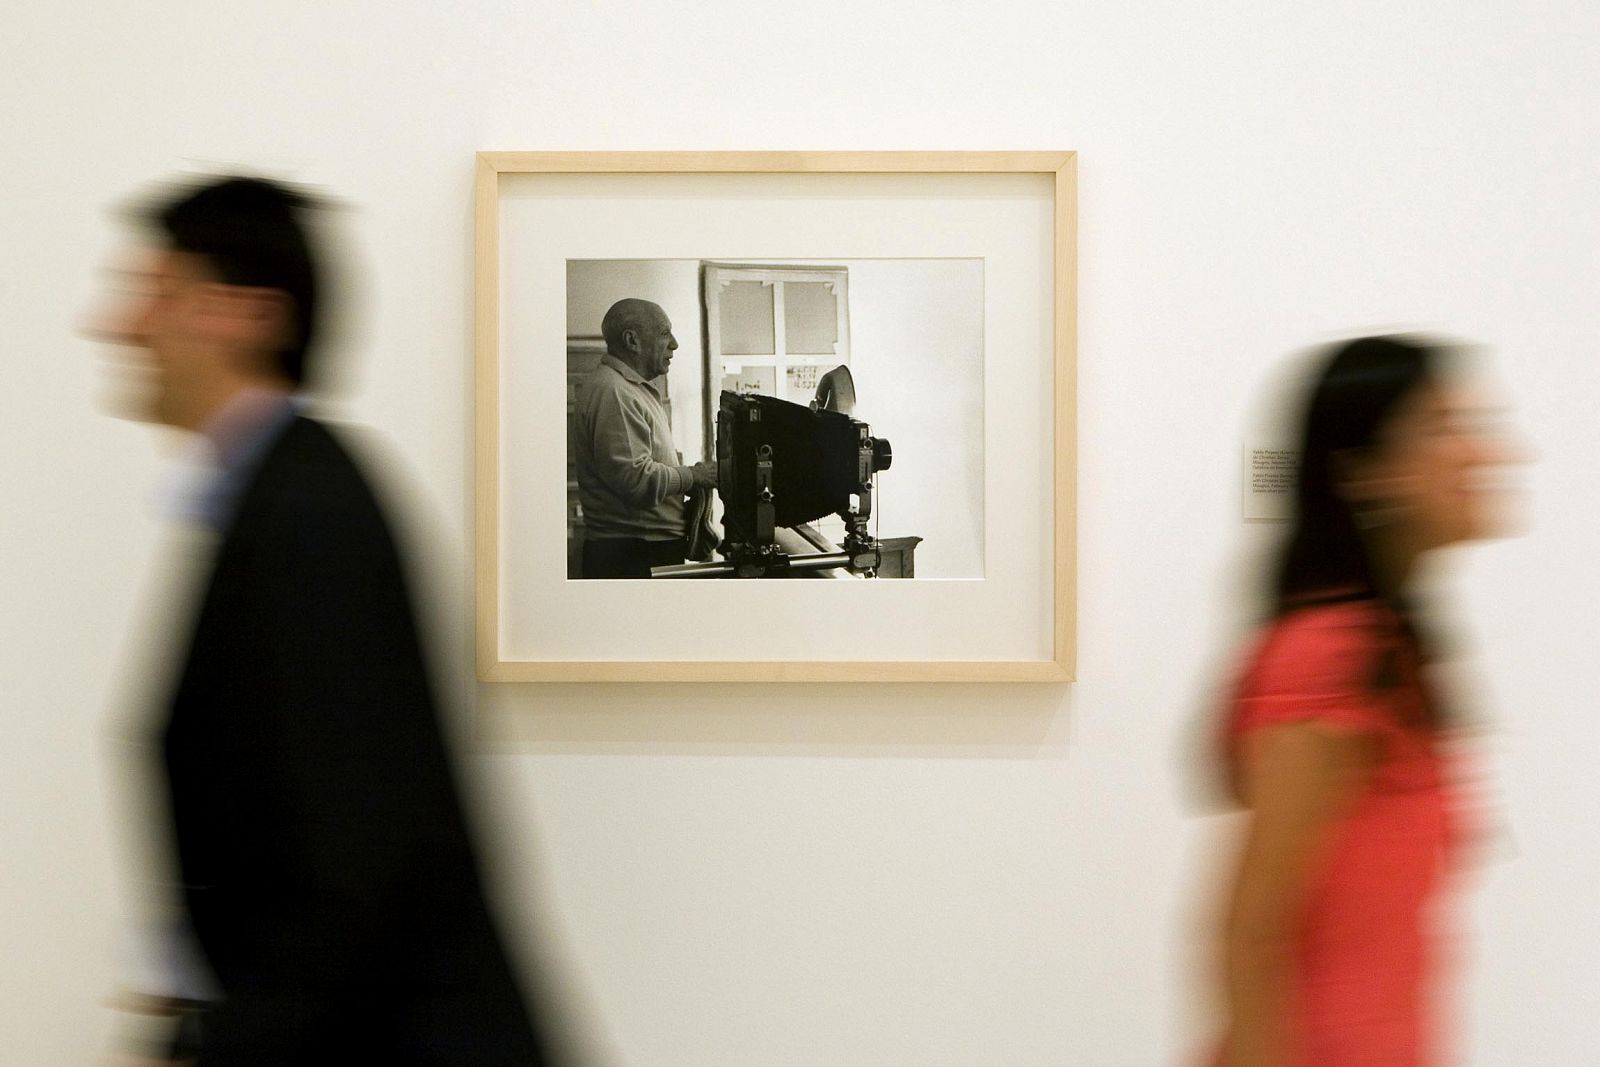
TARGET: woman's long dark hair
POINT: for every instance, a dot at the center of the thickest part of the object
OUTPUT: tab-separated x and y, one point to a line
1352	398
1325	556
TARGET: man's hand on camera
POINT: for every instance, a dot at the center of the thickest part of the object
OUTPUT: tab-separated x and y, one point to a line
705	475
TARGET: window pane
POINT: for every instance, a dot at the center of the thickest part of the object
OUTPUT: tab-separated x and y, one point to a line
745	311
810	318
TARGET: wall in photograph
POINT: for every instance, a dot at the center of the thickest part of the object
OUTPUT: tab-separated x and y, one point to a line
917	339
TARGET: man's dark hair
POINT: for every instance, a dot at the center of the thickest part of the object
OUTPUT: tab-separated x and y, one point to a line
252	232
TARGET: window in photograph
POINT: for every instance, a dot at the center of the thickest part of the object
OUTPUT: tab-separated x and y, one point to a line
774	330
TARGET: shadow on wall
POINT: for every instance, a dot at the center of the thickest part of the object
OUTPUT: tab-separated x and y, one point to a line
1005	721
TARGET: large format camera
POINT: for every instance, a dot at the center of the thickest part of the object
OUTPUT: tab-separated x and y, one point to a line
782	465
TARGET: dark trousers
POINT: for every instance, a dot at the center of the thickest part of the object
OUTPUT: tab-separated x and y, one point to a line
629	557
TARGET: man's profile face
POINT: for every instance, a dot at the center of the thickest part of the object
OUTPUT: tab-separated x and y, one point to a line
656	345
160	315
190	333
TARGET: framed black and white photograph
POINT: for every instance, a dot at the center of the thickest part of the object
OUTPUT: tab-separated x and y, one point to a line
813	463
775	416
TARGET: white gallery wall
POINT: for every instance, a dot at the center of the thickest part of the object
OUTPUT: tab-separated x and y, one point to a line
851	876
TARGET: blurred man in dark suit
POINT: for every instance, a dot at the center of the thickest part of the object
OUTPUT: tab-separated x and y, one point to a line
327	870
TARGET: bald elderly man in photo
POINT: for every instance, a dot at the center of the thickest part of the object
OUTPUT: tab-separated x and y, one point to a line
631	481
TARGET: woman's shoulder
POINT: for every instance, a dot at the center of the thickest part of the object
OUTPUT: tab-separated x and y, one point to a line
1331	624
1317	660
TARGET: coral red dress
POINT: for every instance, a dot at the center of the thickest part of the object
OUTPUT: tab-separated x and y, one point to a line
1366	948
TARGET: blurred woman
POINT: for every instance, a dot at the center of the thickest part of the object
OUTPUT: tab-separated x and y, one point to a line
1335	742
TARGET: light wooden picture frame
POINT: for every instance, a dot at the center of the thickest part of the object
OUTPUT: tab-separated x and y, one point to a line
535	212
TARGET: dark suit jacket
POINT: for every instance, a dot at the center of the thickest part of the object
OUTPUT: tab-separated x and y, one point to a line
328	870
